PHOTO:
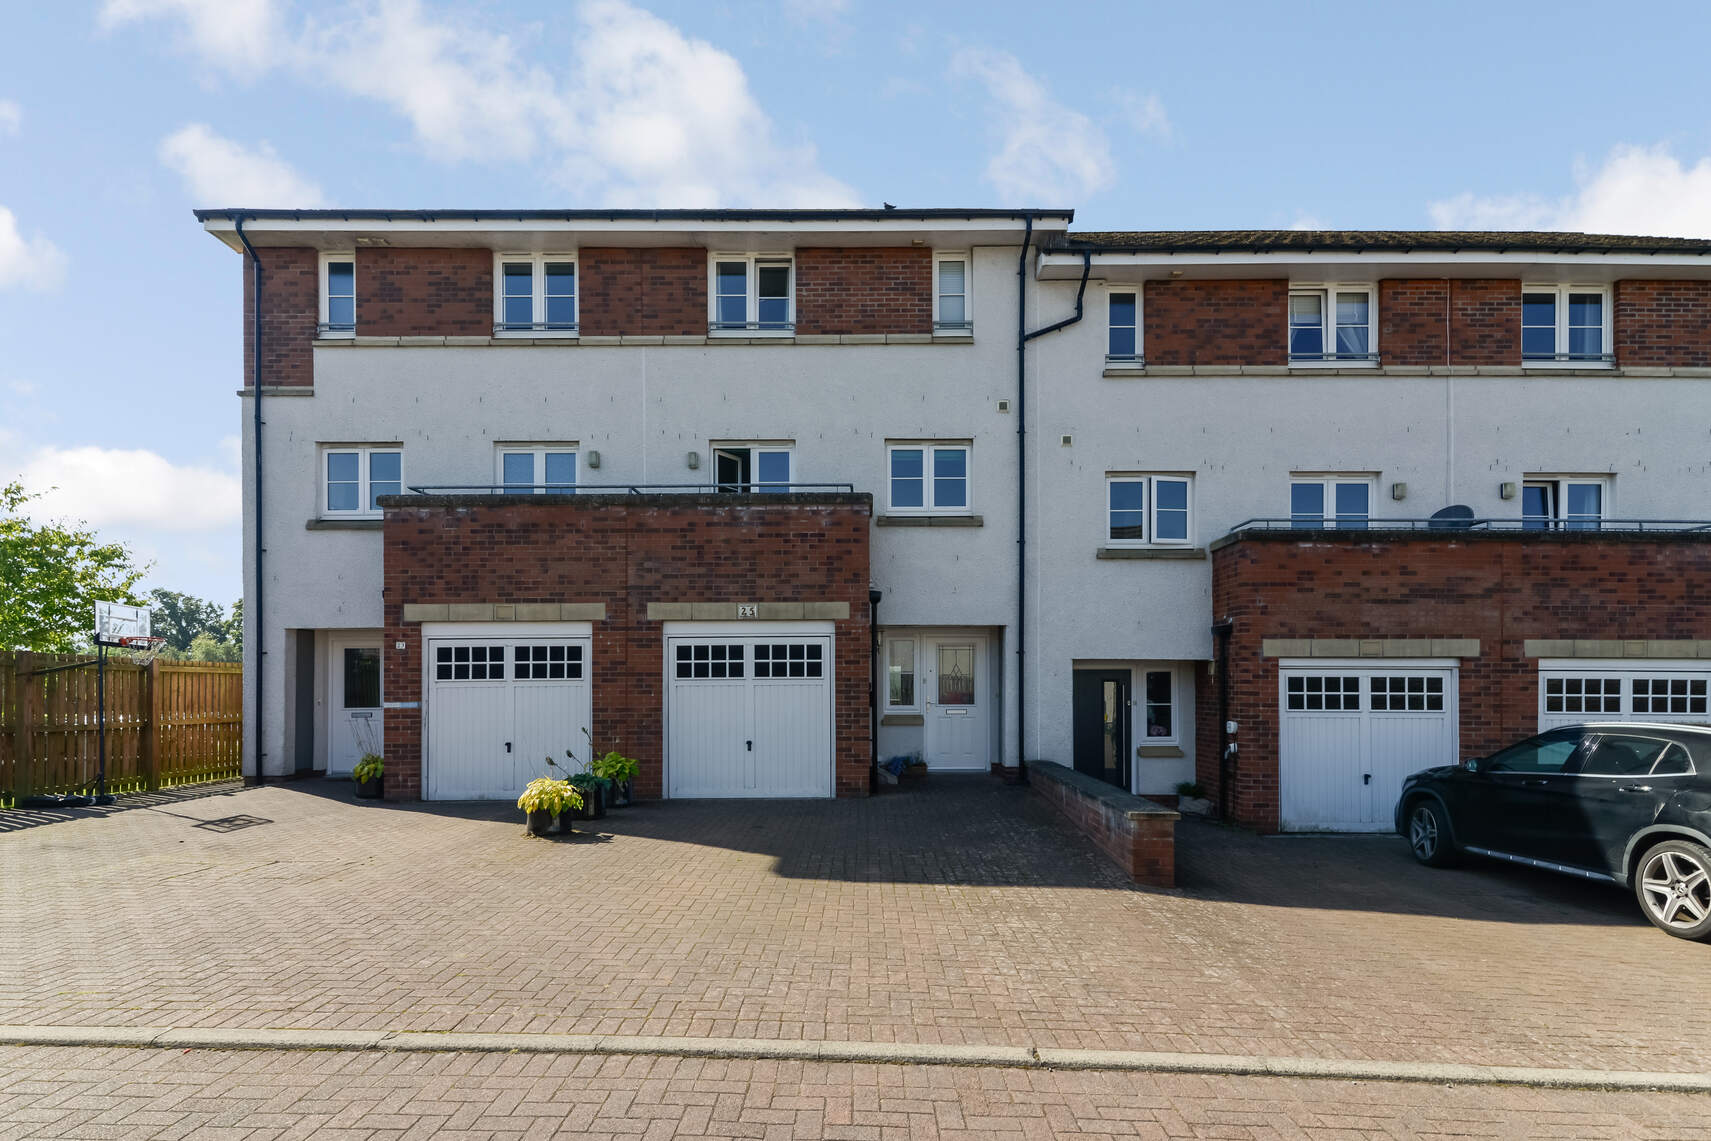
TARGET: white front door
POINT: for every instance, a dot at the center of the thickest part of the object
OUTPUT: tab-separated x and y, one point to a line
957	731
354	718
1348	734
748	714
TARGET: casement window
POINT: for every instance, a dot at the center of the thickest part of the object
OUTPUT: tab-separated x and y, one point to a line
529	469
1340	502
1565	325
752	294
1332	325
338	295
1148	511
1123	327
952	314
900	674
535	295
353	477
739	468
1159	692
1566	503
929	479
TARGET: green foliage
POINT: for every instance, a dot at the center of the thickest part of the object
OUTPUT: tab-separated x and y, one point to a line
369	768
1190	789
544	794
610	765
195	629
52	575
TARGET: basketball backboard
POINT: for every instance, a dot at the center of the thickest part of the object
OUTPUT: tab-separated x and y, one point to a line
115	620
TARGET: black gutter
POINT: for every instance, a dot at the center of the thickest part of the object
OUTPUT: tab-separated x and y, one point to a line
256	627
1022	339
873	683
1221	631
935	213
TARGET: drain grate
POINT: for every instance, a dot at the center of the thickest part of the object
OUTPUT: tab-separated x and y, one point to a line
232	823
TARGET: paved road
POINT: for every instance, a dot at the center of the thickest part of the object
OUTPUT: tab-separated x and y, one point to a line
154	1095
957	913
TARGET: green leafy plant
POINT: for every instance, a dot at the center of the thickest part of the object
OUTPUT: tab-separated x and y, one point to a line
1191	789
587	781
546	794
369	768
611	765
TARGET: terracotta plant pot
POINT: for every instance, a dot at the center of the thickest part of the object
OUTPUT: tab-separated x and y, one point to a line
369	789
543	823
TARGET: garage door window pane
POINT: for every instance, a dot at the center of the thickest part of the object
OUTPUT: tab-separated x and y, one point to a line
710	660
788	659
548	663
1317	693
1417	694
469	663
1583	695
1669	695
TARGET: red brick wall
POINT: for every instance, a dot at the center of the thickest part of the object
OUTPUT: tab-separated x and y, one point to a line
1144	847
642	292
291	301
1413	321
628	552
1485	321
427	293
1501	589
1663	323
1216	322
864	290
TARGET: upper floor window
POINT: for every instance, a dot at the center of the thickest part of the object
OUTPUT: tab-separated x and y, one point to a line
525	469
338	295
1330	501
952	315
752	467
1563	502
753	293
1123	327
354	477
1332	324
1565	325
929	478
536	295
1147	511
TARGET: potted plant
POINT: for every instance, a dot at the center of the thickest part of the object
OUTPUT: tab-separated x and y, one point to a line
593	791
1191	799
618	770
914	768
367	773
545	799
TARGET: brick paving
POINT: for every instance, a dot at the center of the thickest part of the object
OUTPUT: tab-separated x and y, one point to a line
960	913
154	1095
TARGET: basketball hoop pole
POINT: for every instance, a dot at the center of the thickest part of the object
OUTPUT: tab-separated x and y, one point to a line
101	719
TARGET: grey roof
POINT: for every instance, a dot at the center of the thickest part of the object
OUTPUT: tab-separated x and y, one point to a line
942	213
1391	241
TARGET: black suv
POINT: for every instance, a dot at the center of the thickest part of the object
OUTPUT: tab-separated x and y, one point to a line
1628	802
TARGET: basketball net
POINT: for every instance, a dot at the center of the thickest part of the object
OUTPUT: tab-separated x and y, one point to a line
141	649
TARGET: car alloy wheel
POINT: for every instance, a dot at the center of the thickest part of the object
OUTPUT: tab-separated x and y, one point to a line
1423	833
1675	888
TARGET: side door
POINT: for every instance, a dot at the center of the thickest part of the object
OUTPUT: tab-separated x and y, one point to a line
1617	794
1522	794
354	716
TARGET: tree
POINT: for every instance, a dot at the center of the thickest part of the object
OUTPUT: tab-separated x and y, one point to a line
52	575
235	629
181	618
207	648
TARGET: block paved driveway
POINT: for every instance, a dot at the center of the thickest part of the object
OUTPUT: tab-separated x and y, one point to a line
959	912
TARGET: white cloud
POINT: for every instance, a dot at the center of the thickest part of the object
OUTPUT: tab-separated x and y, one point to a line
1048	154
32	263
222	172
129	489
11	117
1637	190
642	114
1143	114
1305	221
235	35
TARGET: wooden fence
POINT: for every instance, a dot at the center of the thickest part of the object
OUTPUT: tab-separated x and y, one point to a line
168	723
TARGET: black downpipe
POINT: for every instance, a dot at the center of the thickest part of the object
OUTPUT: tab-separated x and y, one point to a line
873	681
1221	631
1022	339
256	626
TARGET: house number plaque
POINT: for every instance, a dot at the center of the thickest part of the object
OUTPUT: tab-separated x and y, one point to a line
747	609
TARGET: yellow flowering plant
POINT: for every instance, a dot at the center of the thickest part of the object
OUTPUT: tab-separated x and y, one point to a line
369	768
544	794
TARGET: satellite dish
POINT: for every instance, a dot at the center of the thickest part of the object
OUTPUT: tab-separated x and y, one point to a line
1456	517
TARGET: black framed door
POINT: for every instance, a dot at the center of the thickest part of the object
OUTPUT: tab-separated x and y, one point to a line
1101	725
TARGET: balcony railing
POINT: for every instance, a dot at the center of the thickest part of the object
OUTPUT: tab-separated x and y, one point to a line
625	488
775	327
1333	358
560	328
1571	358
1371	525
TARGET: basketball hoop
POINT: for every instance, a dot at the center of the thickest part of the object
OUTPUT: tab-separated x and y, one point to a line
141	648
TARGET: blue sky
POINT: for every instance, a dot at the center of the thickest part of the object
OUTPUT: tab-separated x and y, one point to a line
119	319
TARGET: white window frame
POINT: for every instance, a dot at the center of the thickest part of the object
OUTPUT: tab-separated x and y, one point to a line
539	288
886	641
1558	520
1150	480
1330	481
752	305
323	328
1327	291
539	452
1138	360
966	328
1606	360
1139	724
929	450
754	448
364	454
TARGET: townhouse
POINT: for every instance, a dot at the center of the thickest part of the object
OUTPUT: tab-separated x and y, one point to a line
760	496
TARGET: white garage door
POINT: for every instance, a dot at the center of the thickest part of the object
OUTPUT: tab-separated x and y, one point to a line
498	706
748	715
1574	691
1348	734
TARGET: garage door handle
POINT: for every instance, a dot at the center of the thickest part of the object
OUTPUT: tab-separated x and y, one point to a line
750	745
1366	778
507	746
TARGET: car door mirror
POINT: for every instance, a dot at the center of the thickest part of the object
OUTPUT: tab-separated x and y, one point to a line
1471	764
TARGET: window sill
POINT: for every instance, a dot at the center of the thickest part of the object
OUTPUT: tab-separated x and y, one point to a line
536	334
1599	366
365	523
1152	552
965	333
1359	364
1121	367
929	521
902	719
1158	751
754	334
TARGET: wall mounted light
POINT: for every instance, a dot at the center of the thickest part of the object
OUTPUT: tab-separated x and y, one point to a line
1506	491
1003	406
594	460
693	460
1068	441
1399	491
